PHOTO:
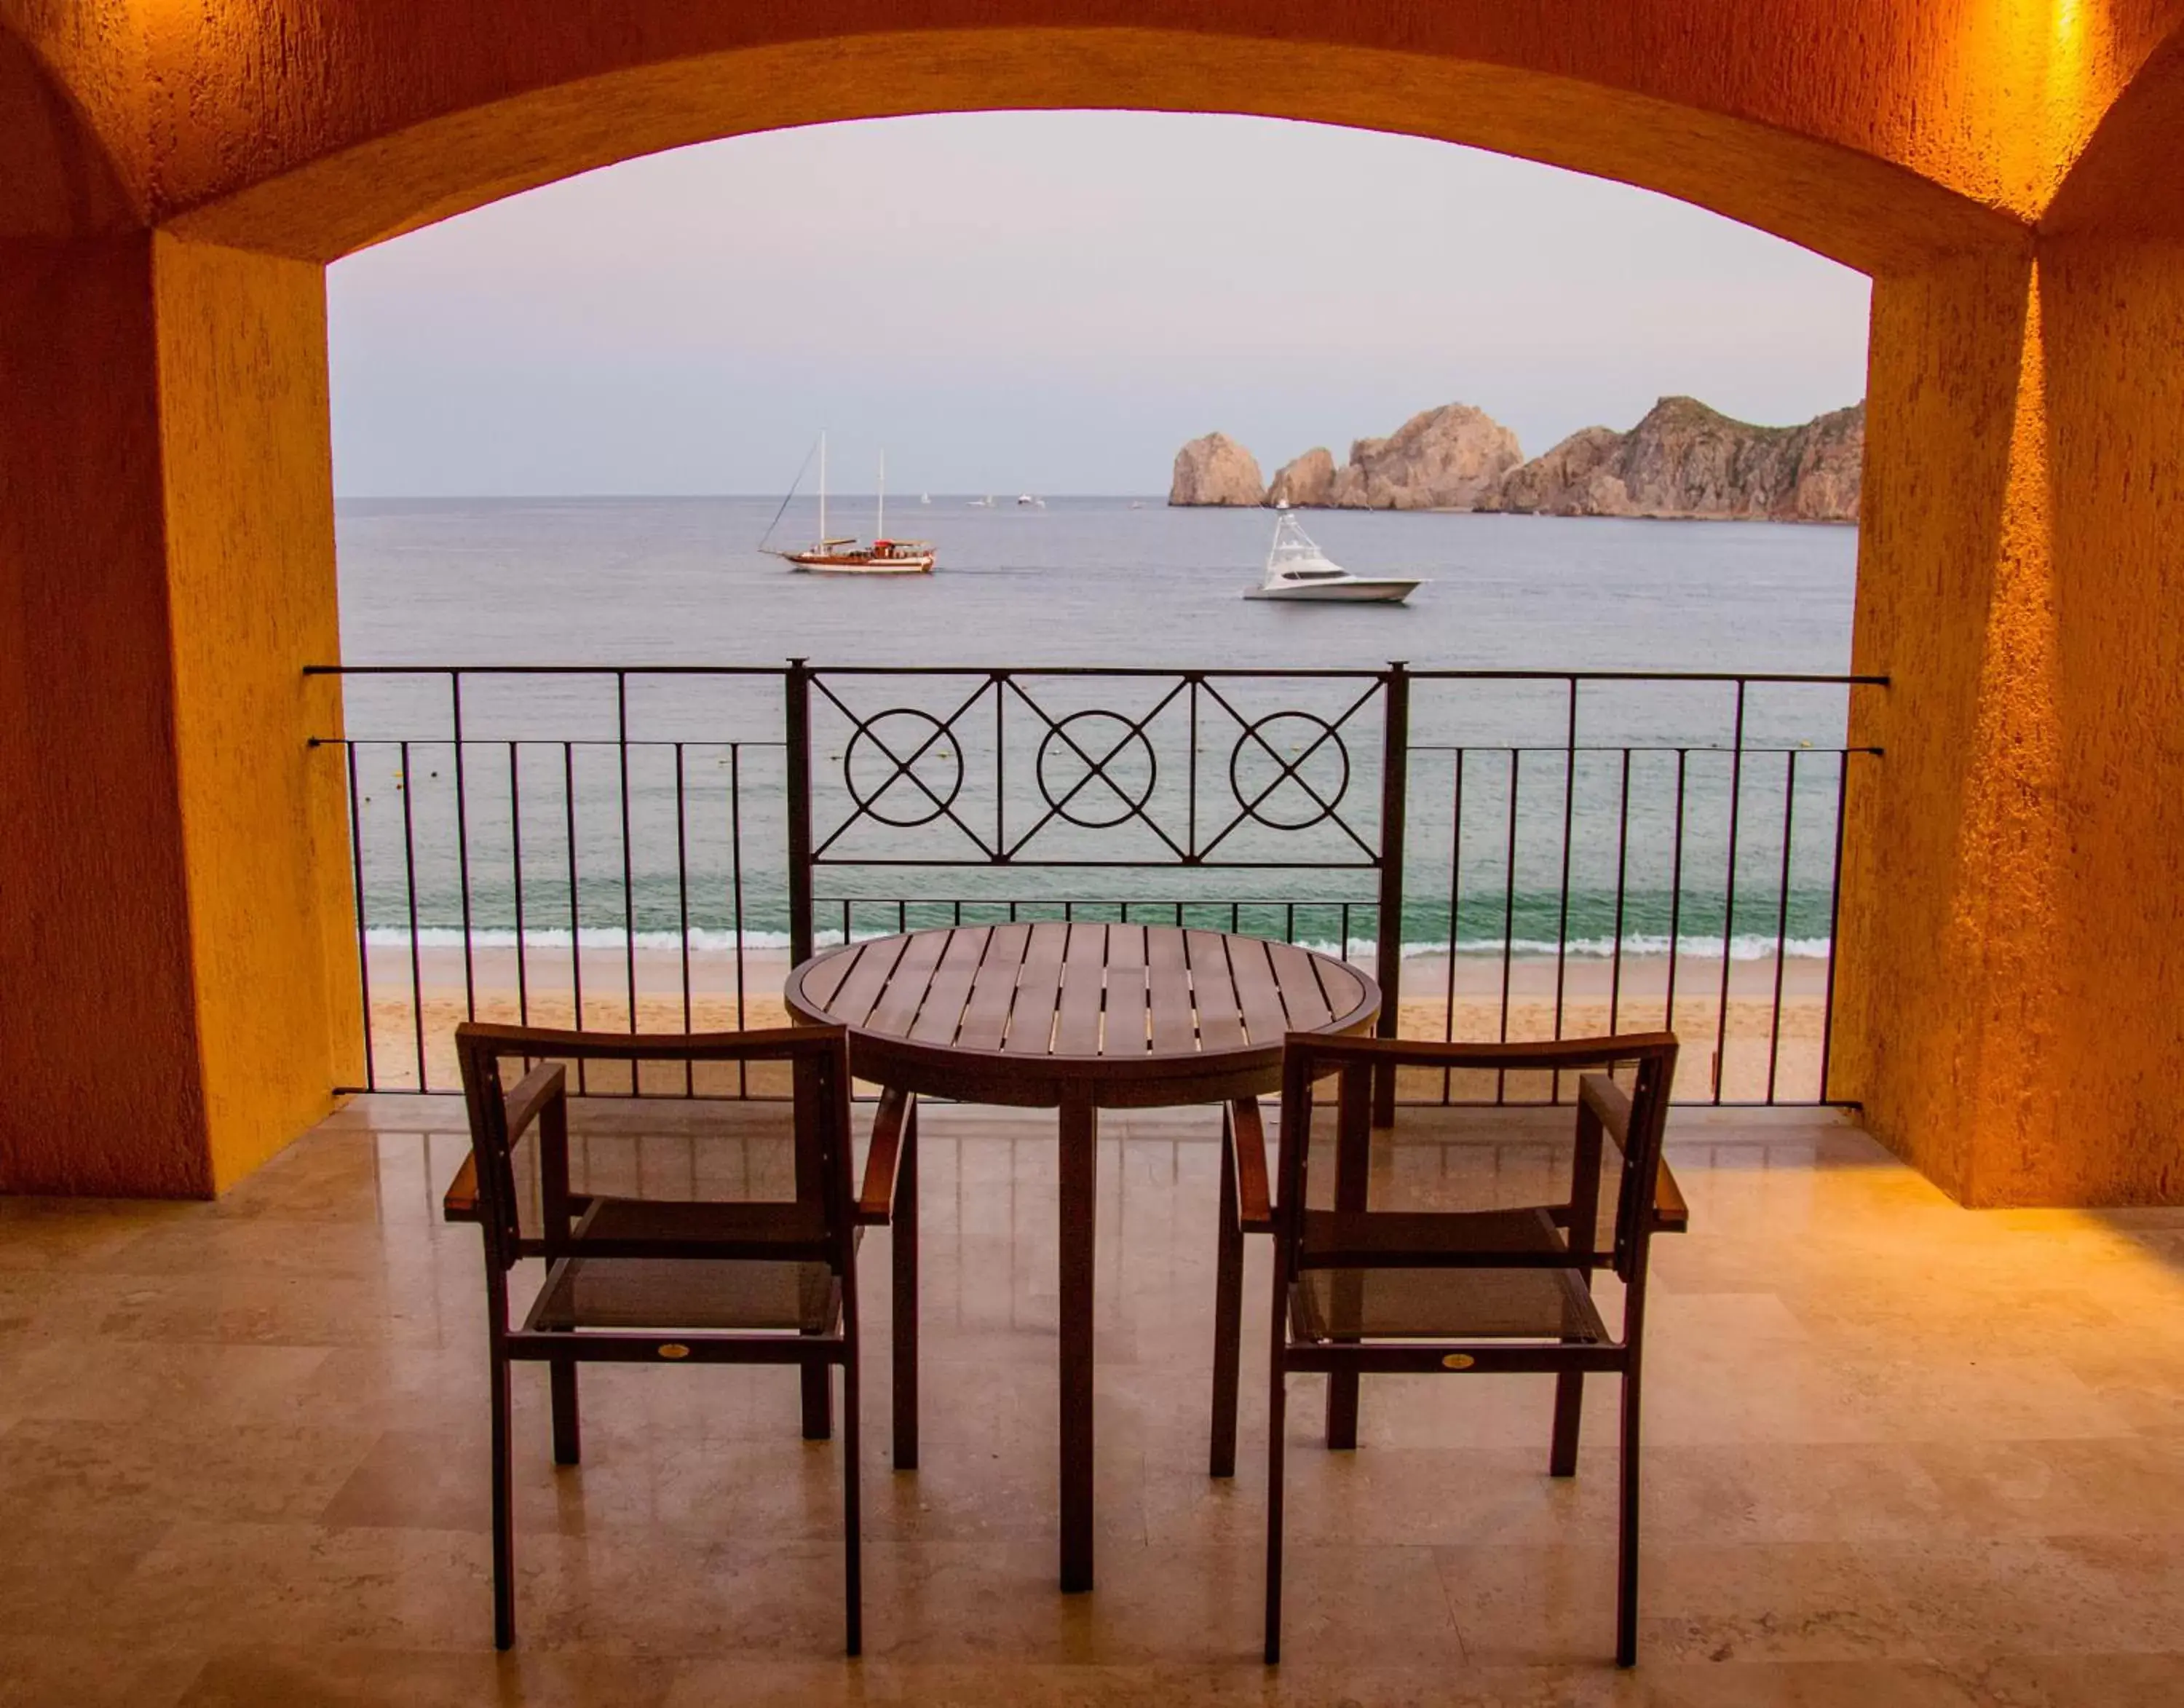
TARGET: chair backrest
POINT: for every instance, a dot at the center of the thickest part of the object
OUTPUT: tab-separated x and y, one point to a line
1310	1059
817	1056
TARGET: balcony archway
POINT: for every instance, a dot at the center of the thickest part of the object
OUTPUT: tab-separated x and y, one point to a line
192	173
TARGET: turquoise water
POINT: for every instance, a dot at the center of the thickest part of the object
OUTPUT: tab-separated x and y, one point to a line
1089	581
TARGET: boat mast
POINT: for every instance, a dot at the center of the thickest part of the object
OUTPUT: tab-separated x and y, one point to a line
822	490
879	527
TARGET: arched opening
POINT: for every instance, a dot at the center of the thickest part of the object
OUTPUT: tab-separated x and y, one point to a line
1048	304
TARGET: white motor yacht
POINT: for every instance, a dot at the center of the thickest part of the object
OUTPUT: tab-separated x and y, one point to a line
1297	569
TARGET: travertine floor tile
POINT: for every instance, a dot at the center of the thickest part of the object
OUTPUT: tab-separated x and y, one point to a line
1897	1453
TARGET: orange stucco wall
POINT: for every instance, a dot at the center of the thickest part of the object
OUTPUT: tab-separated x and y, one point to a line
177	174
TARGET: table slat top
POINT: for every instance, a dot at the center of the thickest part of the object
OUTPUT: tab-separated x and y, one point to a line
1084	992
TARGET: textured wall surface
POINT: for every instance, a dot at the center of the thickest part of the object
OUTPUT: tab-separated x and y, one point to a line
171	859
250	530
97	1031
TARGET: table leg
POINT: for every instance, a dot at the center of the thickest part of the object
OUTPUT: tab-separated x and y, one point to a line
1079	1155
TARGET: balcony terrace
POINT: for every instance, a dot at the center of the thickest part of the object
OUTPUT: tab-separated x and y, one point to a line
1915	1385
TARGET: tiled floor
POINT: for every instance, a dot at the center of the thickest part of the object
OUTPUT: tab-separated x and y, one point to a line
1898	1452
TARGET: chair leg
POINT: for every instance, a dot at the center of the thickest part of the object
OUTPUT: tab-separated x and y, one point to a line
853	1555
1277	1432
1626	1575
904	1255
818	1403
503	1512
1569	1412
1341	1410
1228	1313
568	1436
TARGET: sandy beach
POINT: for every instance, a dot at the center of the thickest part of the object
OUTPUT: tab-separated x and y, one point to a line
1441	996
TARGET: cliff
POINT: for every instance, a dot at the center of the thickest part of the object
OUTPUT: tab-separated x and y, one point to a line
1685	460
1307	482
1444	459
1218	471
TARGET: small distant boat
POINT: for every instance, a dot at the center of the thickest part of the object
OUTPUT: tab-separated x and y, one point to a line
1026	501
925	497
985	503
1297	569
843	553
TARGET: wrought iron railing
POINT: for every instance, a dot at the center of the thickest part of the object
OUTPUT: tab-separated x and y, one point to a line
1514	853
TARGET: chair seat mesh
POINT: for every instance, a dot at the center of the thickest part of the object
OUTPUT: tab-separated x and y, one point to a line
689	1293
1422	1301
1442	1304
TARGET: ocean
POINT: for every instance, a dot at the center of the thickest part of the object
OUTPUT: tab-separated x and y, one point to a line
539	847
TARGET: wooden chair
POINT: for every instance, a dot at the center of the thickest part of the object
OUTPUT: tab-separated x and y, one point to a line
1359	1290
697	1279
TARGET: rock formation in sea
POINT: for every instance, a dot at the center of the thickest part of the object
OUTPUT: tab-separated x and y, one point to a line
1445	459
1218	471
1685	460
1306	482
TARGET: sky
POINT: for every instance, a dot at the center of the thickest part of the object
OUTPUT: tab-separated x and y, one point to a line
1047	302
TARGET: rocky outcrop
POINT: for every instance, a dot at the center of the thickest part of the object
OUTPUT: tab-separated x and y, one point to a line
1685	460
1445	459
1307	482
1216	470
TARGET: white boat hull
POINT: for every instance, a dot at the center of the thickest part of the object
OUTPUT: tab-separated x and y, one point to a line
1361	590
892	566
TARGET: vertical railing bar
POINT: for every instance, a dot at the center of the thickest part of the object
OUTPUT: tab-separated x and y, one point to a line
1676	893
363	932
1622	874
462	842
683	911
1191	820
1394	798
1781	922
575	911
516	861
736	892
416	952
1834	919
999	682
1562	928
1508	914
628	865
796	788
1454	914
1729	895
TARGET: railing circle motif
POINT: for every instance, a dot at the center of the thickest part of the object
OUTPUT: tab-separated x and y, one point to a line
1097	758
881	742
1289	770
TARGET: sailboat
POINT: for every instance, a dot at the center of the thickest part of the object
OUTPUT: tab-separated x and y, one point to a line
843	553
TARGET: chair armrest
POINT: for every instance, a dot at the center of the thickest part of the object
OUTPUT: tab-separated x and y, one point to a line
1671	1214
875	1200
460	1204
532	1093
542	1086
1611	1103
1247	1140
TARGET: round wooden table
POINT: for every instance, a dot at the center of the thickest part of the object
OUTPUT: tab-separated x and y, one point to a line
1078	1018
